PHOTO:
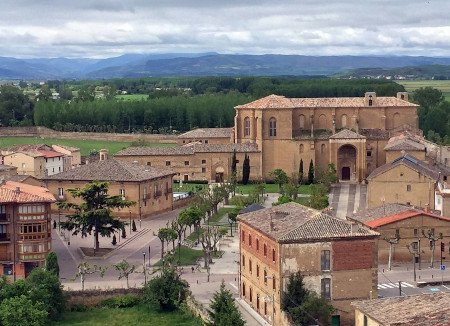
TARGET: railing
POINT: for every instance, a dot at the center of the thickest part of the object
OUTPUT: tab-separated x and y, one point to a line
4	217
34	236
5	256
5	237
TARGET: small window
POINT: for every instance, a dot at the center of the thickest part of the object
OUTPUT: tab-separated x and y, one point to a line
243	289
416	233
206	141
243	236
257	244
203	161
369	153
250	240
167	163
265	250
149	163
325	260
326	288
243	261
246	127
366	322
257	270
250	265
203	170
415	245
273	255
408	187
265	277
122	192
274	282
186	162
60	192
273	127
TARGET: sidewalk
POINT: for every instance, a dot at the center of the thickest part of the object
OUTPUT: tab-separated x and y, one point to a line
405	273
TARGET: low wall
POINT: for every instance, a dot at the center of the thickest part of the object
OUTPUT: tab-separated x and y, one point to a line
183	202
92	298
49	133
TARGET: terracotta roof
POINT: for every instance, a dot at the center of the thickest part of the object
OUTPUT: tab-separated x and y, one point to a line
112	170
347	134
280	102
208	133
188	149
418	310
16	192
7	167
375	133
380	211
404	144
50	154
69	148
431	171
293	222
32	153
17	177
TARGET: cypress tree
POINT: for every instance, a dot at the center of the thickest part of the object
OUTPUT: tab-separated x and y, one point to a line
51	263
233	163
311	172
223	310
246	170
300	172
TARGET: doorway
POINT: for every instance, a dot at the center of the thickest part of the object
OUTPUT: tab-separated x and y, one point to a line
345	174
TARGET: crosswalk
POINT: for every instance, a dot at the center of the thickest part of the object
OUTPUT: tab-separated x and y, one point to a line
395	285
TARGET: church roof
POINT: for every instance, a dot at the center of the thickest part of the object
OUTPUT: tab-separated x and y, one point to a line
208	133
347	134
404	144
281	102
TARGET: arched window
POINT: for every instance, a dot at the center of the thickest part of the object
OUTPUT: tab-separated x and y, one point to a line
272	127
344	121
246	126
370	100
243	289
322	148
302	148
302	121
396	119
322	121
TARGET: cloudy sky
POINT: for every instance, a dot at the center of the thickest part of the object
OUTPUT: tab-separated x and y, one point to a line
105	28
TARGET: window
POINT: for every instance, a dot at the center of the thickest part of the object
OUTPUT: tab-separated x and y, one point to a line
167	163
325	260
370	100
416	233
265	250
272	127
274	282
397	233
243	261
257	244
302	121
322	148
343	120
243	236
365	321
246	127
186	162
302	148
265	277
369	153
149	163
243	289
415	246
203	170
273	255
203	161
250	265
326	288
122	192
206	141
251	295
60	192
257	270
408	187
250	240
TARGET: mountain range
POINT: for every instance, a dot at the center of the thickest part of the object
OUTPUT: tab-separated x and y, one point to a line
200	64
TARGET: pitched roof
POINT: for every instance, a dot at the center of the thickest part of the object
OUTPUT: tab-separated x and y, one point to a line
280	102
208	133
347	134
431	171
380	211
375	133
418	310
16	192
251	208
7	167
112	170
404	144
50	154
188	149
402	216
293	222
17	177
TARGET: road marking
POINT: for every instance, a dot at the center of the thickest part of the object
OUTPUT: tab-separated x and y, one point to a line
446	287
233	285
395	285
407	285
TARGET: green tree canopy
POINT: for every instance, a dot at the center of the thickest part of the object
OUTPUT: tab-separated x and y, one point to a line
51	263
22	311
223	310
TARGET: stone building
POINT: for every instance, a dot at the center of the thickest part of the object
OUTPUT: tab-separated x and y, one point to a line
149	187
25	228
206	136
278	241
411	226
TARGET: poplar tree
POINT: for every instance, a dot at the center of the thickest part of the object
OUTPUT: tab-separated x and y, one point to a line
246	170
311	172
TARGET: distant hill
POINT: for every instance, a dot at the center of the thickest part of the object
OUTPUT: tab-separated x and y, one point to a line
434	71
207	64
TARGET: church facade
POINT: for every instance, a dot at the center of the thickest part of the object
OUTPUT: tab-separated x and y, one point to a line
350	132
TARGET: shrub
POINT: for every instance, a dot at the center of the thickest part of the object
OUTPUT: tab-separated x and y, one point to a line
79	307
22	311
123	301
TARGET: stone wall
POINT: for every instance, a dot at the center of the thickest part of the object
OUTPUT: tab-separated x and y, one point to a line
49	133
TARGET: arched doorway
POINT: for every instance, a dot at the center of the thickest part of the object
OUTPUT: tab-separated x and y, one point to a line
347	162
219	174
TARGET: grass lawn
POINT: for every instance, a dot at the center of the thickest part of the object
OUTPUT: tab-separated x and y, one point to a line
188	256
269	188
215	218
135	316
85	145
132	97
186	187
412	85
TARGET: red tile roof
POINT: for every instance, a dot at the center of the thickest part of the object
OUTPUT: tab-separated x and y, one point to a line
16	192
402	216
50	154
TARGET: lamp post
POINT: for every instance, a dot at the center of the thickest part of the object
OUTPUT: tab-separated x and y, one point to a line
59	220
145	274
130	221
413	252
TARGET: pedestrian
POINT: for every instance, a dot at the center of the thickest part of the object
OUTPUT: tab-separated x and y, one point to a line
192	268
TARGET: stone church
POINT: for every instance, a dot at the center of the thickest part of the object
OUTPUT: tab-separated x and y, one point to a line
350	132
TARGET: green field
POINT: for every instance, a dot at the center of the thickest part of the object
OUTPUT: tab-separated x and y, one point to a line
85	145
443	85
132	97
136	316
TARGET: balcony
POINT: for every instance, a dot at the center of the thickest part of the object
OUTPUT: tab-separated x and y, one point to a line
4	217
32	256
157	194
5	256
5	237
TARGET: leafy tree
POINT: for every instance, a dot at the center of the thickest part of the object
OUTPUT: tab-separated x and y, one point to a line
86	269
232	218
246	170
86	94
168	290
319	196
279	177
223	310
15	106
95	213
125	269
45	94
300	172
164	235
51	263
21	310
311	172
328	177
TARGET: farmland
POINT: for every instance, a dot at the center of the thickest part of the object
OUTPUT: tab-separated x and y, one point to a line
442	85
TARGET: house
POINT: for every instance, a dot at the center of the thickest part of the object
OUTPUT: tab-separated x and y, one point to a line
418	310
206	136
7	170
25	228
149	187
276	242
404	226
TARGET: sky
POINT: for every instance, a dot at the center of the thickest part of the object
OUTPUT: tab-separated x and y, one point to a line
108	28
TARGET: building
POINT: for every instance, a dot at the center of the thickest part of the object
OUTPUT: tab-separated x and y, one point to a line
418	310
284	239
406	180
206	136
7	170
25	228
410	225
69	151
149	187
195	161
23	178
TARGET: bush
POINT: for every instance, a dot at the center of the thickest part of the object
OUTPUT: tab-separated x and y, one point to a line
123	301
79	307
22	311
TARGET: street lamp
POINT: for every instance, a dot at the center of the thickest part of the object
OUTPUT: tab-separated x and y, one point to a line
130	221
413	252
145	274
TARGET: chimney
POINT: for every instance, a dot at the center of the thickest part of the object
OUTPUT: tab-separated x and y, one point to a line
354	228
271	221
103	154
18	190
